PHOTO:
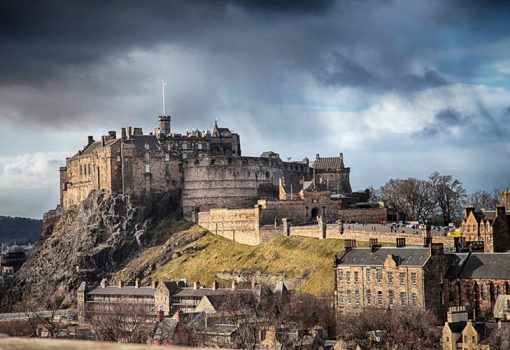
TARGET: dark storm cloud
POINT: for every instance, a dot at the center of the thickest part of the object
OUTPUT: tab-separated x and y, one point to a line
443	121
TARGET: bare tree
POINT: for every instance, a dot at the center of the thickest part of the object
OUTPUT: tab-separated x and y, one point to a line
483	199
411	196
399	329
307	316
448	194
124	322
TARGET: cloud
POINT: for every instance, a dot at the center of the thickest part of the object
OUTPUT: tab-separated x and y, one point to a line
30	171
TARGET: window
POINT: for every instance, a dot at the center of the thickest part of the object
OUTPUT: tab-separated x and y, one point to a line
340	275
379	297
414	297
184	145
390	297
147	157
367	274
466	339
167	157
200	146
356	296
390	277
146	146
348	276
402	298
88	167
356	277
413	277
147	168
402	277
81	170
379	275
369	297
184	155
341	299
349	297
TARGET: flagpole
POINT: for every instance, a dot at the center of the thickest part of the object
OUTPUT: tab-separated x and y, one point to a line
163	83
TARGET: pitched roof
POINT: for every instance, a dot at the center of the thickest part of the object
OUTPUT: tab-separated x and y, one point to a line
190	292
457	327
173	286
486	266
127	290
269	154
139	141
281	288
328	163
405	256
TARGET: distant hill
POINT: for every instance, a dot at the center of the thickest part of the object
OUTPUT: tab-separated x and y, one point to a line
19	230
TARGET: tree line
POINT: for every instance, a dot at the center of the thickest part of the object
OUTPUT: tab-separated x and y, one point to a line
439	199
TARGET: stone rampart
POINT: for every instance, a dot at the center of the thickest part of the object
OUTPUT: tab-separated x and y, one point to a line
231	182
240	225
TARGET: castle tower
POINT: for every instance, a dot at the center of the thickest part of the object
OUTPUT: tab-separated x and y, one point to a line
164	125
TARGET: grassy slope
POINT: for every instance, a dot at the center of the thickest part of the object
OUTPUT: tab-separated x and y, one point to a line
300	257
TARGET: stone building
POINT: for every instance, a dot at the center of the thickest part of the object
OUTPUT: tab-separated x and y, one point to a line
390	277
105	299
488	229
475	280
459	332
12	259
135	163
332	172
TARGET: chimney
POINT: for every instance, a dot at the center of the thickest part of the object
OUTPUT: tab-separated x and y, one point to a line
121	283
372	241
104	283
137	282
178	316
215	285
253	284
123	133
112	134
196	285
349	244
436	249
317	156
500	211
401	242
130	132
90	140
154	284
103	141
468	210
234	285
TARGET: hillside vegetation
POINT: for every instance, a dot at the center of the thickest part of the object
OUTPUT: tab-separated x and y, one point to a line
306	262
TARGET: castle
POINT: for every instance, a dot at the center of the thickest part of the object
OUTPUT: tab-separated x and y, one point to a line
206	166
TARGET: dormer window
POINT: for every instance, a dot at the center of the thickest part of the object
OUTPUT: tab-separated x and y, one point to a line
146	146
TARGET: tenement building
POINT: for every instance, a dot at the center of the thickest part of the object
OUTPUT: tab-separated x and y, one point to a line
488	230
378	277
475	280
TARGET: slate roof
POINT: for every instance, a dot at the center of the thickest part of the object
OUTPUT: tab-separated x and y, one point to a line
269	154
405	256
486	266
127	290
456	265
328	163
219	329
139	141
190	292
173	286
457	327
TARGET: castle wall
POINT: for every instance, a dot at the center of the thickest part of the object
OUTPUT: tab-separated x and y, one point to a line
240	225
368	215
226	182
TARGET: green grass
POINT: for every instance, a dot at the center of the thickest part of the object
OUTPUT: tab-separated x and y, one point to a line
308	259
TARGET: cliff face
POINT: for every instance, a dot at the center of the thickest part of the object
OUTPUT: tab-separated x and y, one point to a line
92	240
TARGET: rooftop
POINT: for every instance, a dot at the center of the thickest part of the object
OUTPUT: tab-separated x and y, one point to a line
405	256
127	290
481	266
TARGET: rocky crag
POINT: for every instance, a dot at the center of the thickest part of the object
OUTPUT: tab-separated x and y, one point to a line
91	241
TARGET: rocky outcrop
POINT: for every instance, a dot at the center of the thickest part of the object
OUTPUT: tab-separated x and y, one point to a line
92	240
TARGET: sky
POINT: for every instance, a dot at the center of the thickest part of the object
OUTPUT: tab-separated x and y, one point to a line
402	88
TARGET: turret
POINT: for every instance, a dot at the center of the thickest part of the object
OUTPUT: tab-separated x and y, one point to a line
164	125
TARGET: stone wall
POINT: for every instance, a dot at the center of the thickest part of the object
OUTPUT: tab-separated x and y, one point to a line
240	225
369	215
232	182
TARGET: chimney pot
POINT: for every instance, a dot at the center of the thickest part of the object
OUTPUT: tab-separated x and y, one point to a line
234	285
215	285
155	284
196	285
137	282
121	283
104	283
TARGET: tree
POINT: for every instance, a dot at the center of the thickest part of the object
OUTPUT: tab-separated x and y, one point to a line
398	328
412	197
448	194
124	322
483	200
305	314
